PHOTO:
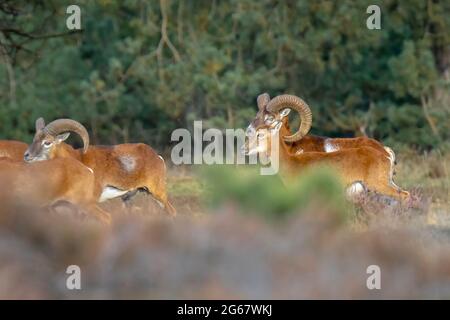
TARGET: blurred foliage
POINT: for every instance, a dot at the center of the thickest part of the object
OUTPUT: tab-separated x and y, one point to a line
317	191
140	69
180	186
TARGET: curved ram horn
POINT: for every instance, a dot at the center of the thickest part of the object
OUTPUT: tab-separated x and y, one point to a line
293	102
63	125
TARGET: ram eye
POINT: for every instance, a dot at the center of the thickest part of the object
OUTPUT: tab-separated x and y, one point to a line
47	143
269	119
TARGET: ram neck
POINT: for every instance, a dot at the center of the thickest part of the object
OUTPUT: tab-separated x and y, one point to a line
285	131
285	154
287	159
66	151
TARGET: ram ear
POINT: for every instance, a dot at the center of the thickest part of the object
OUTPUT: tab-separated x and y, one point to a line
40	124
62	137
284	112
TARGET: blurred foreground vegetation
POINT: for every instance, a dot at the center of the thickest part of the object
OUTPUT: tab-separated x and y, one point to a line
140	69
267	196
234	252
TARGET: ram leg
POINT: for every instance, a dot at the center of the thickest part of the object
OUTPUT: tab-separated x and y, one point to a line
157	188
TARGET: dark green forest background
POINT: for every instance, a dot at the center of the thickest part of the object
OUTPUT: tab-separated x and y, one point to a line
140	69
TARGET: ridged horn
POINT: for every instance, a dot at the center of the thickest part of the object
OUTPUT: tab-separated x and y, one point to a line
262	100
293	102
64	125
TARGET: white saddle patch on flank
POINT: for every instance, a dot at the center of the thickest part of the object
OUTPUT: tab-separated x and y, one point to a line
128	162
111	193
329	146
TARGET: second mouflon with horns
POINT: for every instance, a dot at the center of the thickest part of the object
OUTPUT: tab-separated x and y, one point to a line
122	170
308	142
363	165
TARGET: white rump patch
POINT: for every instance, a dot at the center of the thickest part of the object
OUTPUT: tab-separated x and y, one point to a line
391	173
128	163
111	193
162	159
329	146
391	154
355	189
